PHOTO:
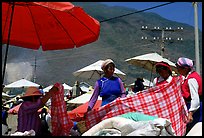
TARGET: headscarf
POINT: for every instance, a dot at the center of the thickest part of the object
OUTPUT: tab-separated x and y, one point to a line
105	63
185	62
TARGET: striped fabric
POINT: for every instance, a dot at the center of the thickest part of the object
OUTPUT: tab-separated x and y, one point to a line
61	123
164	101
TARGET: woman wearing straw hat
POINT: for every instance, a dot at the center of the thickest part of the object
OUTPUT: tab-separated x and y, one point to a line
165	73
108	87
191	90
28	116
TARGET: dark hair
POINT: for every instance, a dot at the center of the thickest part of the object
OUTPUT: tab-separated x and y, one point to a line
44	110
160	66
40	87
30	98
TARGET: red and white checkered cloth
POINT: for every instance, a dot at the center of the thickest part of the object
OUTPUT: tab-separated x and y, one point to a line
61	123
164	101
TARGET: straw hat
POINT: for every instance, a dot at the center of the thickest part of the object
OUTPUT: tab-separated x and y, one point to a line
32	91
105	63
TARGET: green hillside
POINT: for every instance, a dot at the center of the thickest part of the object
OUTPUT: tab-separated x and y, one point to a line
119	40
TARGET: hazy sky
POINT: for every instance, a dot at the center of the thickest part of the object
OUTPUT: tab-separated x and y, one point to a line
179	11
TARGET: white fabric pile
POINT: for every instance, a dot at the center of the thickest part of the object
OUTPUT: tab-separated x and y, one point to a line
26	133
120	126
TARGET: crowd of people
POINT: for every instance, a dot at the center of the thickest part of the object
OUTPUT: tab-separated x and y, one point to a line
110	88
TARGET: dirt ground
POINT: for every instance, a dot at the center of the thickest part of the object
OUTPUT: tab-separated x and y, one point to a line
12	122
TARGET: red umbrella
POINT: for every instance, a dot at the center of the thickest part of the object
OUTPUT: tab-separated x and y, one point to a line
51	25
15	109
77	114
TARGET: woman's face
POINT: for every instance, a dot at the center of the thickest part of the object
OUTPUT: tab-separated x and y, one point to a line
181	70
163	72
109	70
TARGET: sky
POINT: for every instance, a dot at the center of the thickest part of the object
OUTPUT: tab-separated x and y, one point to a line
182	12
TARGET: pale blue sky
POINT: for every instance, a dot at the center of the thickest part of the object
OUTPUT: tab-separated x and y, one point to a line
179	11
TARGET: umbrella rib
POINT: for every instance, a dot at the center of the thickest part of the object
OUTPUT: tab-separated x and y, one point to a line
6	21
83	24
34	24
91	75
62	26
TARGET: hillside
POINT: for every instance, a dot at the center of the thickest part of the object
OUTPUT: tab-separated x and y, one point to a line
119	40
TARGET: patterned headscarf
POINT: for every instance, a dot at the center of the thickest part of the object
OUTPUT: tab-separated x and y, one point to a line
185	62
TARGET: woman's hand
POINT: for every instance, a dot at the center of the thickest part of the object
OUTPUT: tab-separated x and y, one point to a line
190	117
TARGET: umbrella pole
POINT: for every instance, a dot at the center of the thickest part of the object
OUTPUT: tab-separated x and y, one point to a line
7	46
151	76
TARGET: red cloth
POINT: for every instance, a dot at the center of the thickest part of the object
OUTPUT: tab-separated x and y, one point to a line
164	101
61	123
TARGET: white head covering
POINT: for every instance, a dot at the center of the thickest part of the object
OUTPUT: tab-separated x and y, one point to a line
105	63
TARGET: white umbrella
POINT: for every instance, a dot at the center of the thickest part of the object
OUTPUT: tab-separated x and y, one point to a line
66	87
148	61
94	71
22	83
46	89
82	98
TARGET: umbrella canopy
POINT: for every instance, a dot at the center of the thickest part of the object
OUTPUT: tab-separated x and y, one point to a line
22	83
94	71
82	98
149	60
15	109
51	25
66	87
77	114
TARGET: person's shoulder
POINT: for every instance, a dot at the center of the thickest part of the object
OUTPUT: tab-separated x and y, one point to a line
117	78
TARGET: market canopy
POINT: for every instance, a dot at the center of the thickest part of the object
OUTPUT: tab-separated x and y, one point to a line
21	83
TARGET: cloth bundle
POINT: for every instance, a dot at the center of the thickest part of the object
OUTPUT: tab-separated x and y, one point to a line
164	101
